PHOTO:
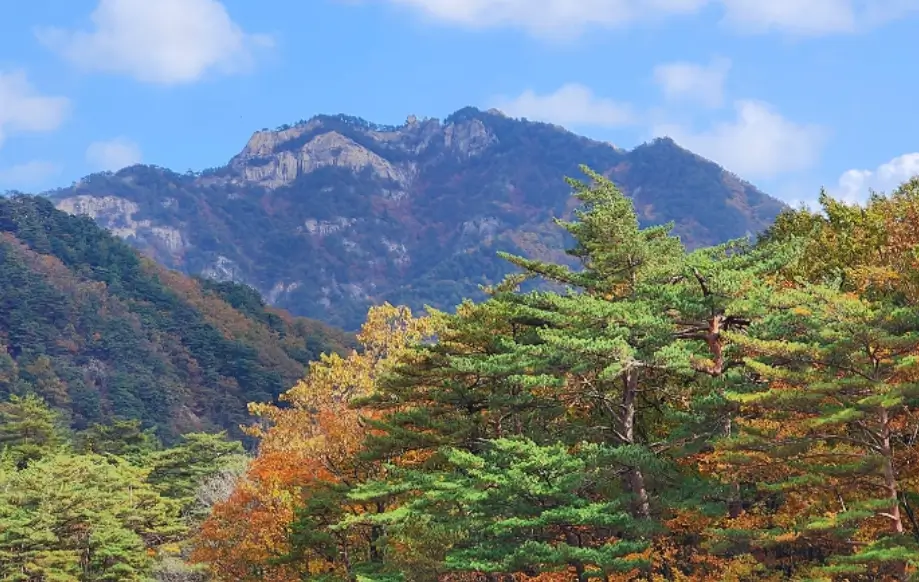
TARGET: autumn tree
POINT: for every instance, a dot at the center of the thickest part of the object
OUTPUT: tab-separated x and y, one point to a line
870	249
308	447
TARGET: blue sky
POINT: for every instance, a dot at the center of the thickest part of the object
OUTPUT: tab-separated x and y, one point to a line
790	94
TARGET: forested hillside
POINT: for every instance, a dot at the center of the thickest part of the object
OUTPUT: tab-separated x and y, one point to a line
746	411
740	412
101	333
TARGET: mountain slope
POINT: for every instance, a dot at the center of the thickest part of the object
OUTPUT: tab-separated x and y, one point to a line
331	214
101	332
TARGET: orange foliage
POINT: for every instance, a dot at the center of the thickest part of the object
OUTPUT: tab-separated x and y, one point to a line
312	440
247	530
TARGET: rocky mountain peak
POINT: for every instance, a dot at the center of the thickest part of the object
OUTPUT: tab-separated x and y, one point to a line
328	215
265	141
273	159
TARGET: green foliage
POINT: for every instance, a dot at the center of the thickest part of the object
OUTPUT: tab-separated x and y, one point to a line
102	334
613	361
120	438
457	391
80	518
522	507
837	238
100	506
837	387
177	472
29	430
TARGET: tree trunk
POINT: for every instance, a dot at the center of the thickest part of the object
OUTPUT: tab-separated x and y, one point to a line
716	348
890	480
735	503
636	477
890	483
376	533
346	561
573	541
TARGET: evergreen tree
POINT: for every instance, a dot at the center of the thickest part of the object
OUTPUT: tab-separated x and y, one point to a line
519	507
829	428
596	363
604	339
29	430
82	519
458	391
177	472
121	438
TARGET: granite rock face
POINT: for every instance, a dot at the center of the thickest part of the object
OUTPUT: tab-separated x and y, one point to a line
331	214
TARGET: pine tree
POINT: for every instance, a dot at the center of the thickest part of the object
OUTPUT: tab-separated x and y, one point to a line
522	508
828	429
81	518
177	472
712	294
120	438
29	430
601	362
605	337
459	391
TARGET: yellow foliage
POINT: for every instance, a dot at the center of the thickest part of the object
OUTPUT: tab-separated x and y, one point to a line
312	439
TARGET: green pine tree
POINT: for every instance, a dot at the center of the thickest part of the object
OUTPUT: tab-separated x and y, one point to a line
82	518
179	471
833	414
29	430
121	438
519	507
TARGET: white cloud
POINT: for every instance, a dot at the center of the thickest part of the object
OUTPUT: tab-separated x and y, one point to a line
855	185
759	143
571	105
567	17
162	41
548	17
112	155
814	17
694	82
28	174
23	109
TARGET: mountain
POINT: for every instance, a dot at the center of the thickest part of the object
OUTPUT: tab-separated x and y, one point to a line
331	214
102	333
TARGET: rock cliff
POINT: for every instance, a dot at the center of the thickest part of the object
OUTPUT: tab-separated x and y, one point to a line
328	215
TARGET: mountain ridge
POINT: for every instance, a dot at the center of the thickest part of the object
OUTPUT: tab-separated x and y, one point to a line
331	214
103	333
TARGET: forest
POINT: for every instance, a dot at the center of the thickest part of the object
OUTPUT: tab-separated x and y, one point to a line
747	411
101	332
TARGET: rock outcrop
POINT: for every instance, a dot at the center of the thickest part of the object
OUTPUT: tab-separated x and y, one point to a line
328	215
